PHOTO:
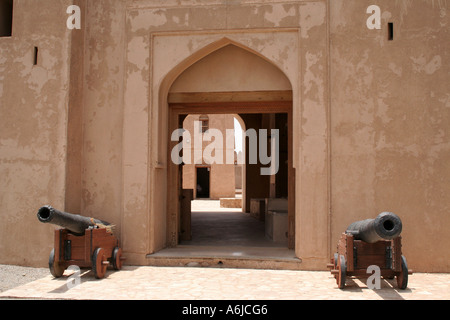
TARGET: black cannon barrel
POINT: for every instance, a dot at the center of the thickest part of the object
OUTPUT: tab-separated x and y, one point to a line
386	226
75	223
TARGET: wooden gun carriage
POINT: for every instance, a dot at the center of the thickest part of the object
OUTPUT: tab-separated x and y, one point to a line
372	242
83	242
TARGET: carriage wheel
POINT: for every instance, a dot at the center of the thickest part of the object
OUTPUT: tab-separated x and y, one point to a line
55	268
117	258
402	277
342	268
99	263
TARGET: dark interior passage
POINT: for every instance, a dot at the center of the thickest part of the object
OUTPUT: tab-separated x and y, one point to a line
203	181
6	16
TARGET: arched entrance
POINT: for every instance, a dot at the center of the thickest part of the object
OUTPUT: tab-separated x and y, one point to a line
232	79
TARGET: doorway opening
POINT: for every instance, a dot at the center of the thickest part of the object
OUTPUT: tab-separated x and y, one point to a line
234	81
207	229
203	182
6	18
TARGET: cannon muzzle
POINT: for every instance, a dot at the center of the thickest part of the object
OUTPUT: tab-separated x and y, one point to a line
75	223
386	226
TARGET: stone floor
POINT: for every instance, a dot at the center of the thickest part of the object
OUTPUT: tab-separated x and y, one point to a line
228	237
174	283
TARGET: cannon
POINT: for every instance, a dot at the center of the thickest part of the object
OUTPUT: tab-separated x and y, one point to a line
73	222
386	226
81	241
371	242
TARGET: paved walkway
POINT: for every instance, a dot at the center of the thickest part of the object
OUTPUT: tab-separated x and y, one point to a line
171	283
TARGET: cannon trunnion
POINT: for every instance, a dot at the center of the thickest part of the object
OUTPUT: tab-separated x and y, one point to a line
372	242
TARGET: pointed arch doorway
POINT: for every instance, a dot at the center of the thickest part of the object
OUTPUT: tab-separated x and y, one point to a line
232	80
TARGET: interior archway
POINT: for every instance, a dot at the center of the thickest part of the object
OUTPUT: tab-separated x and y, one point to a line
231	69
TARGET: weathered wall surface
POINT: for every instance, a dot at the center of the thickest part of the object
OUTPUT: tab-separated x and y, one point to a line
390	115
370	116
33	124
102	114
163	40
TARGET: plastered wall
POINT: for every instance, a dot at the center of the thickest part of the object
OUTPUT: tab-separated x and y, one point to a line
390	115
33	122
86	129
